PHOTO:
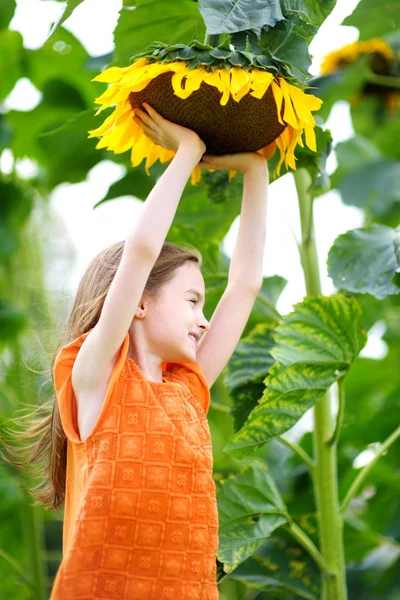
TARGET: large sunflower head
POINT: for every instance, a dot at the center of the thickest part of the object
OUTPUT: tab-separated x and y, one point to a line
235	102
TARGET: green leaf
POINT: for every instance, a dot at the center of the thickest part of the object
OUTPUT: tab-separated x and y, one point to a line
172	21
250	508
69	154
314	346
287	42
11	60
366	260
247	370
228	16
67	12
373	186
64	58
251	357
374	19
353	154
7	9
311	11
281	568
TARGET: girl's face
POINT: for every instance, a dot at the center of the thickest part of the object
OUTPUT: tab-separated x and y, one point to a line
177	313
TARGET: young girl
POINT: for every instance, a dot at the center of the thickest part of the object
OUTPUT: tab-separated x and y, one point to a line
131	443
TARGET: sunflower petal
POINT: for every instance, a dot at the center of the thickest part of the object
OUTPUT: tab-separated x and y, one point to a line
288	112
261	80
276	90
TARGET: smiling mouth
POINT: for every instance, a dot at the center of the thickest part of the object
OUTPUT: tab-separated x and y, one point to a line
193	340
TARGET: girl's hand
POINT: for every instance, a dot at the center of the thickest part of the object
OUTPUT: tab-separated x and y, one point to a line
240	161
166	133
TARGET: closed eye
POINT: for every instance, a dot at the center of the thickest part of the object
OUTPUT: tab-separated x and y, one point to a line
193	300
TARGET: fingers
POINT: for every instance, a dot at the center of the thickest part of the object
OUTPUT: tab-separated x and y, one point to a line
153	113
145	119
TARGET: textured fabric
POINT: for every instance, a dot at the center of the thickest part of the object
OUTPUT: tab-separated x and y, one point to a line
140	517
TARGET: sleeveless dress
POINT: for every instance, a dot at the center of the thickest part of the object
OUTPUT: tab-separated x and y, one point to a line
140	515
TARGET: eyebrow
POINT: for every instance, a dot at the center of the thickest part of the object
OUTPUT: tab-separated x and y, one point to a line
196	292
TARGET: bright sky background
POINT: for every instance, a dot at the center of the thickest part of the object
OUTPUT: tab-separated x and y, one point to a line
110	222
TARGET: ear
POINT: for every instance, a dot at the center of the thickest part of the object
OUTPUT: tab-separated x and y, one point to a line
141	310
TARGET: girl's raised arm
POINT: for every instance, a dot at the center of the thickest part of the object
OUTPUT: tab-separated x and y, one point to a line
142	247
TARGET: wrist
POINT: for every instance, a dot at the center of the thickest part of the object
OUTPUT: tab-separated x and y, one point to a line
257	166
192	151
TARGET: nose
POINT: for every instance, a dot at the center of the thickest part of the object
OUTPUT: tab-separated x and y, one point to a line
204	325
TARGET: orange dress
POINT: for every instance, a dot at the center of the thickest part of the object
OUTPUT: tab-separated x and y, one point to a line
140	516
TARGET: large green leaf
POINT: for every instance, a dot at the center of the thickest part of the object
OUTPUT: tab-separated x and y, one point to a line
374	19
352	154
312	11
7	8
373	187
227	16
69	154
67	12
314	346
252	357
64	58
250	508
288	42
141	22
247	370
367	261
281	568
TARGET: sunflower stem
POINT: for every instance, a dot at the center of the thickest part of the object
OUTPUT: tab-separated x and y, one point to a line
212	39
339	419
325	470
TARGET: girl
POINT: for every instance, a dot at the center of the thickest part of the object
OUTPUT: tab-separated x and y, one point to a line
130	442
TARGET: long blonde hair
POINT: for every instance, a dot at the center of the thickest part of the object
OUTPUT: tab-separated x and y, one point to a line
44	444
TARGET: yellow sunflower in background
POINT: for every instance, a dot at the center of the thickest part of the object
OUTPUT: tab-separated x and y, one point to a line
349	54
383	62
232	106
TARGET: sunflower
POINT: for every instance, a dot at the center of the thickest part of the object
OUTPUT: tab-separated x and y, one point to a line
382	62
349	54
235	105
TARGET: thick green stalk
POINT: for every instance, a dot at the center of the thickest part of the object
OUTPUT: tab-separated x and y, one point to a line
212	39
325	470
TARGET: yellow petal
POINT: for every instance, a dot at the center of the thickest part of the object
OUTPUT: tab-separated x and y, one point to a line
288	112
310	137
276	90
261	80
225	77
139	150
268	151
165	154
111	74
153	154
231	175
195	176
240	83
213	78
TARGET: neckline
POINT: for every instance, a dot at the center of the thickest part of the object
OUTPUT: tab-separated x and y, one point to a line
153	383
